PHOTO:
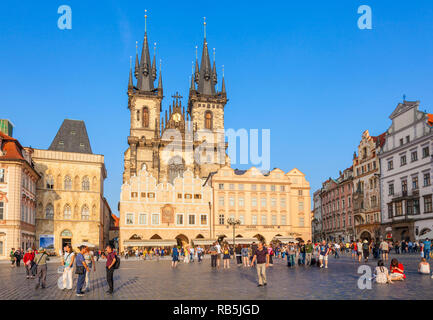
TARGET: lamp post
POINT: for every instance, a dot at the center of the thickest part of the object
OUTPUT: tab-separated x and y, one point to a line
233	222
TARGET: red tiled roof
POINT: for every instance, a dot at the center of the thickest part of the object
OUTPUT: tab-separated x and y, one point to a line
381	139
11	148
430	119
116	220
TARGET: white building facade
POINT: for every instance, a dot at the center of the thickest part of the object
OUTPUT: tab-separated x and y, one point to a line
406	170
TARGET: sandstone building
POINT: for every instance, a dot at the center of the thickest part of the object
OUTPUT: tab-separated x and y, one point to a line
71	207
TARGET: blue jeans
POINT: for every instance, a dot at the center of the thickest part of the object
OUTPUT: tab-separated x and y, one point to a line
80	281
291	259
303	258
427	254
336	254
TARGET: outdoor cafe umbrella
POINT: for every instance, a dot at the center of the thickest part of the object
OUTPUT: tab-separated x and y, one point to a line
87	244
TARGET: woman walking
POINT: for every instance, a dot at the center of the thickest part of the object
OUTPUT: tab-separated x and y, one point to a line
244	254
90	261
28	261
226	256
68	263
175	257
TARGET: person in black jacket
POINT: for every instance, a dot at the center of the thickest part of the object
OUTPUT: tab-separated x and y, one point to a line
18	257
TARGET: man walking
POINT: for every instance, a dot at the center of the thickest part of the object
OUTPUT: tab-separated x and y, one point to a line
302	252
81	269
41	265
111	260
262	257
213	255
384	247
308	252
323	254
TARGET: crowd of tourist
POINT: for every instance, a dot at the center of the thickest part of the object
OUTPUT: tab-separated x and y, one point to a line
259	255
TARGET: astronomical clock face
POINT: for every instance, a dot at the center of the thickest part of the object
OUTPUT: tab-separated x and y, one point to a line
176	117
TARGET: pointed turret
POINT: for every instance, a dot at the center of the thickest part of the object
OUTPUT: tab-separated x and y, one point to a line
160	83
137	67
192	86
145	78
206	84
130	82
154	63
214	74
223	86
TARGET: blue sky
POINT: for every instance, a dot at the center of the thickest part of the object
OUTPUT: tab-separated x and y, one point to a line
300	68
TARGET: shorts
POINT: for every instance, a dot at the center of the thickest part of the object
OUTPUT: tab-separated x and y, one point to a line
354	251
175	258
322	257
384	251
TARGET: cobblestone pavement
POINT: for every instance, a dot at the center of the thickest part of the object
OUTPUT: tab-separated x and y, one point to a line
156	280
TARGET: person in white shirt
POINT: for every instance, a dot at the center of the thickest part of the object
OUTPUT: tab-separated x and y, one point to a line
336	250
424	267
218	247
68	263
384	247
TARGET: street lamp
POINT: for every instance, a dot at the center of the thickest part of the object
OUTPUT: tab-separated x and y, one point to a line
233	222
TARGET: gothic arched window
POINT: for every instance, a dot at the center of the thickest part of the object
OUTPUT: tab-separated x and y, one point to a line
50	182
85	184
208	120
145	117
68	183
175	168
85	213
138	115
49	211
67	212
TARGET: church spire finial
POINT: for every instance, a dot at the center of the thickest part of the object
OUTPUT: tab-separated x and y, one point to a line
145	20
204	26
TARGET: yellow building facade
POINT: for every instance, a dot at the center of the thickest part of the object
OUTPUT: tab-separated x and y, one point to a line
71	207
269	206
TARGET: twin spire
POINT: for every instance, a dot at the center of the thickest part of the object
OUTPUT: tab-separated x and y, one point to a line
145	71
205	75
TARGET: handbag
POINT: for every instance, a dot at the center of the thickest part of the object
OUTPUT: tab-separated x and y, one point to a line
79	269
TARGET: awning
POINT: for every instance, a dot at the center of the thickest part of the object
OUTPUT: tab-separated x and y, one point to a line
203	242
241	240
150	243
285	239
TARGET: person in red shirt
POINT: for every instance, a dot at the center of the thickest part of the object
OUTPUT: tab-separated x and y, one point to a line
397	270
28	262
109	266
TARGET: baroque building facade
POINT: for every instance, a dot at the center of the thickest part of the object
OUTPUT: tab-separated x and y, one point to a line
406	168
71	207
18	179
269	206
366	193
316	224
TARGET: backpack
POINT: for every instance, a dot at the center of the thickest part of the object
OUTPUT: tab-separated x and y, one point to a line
365	246
117	263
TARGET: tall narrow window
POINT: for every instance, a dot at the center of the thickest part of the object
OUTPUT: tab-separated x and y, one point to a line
85	213
50	182
49	211
68	183
145	117
85	184
2	204
2	175
208	120
67	212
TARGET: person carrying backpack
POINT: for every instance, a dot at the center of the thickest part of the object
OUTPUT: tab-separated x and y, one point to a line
41	259
112	263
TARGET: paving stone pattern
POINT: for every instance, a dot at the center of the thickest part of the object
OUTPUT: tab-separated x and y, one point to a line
147	280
